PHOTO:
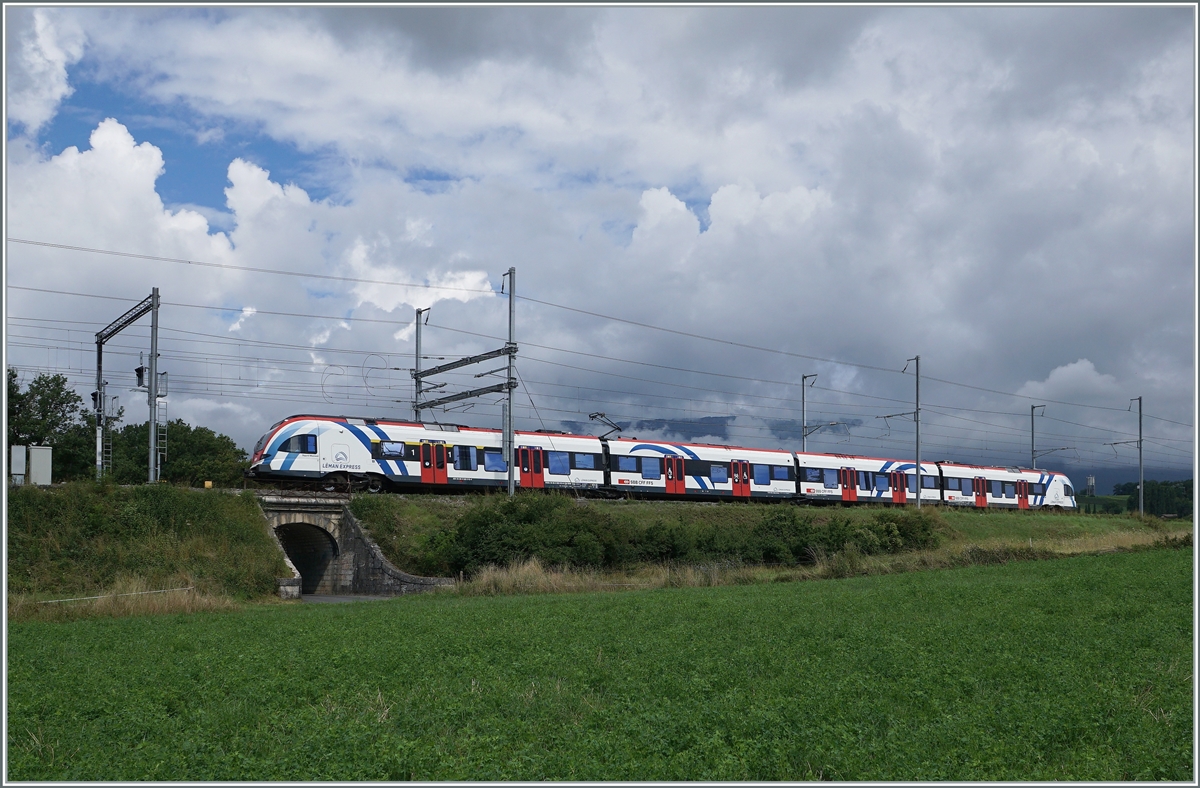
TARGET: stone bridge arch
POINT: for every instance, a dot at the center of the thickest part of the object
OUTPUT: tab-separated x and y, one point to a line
312	550
329	551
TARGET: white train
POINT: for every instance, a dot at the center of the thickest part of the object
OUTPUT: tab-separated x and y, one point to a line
338	452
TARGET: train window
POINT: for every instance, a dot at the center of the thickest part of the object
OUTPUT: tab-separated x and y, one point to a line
1037	489
864	480
781	472
910	481
627	464
812	475
762	474
719	474
997	489
585	461
929	482
558	463
651	468
1067	491
952	483
464	458
494	461
881	482
301	444
831	478
1010	490
391	450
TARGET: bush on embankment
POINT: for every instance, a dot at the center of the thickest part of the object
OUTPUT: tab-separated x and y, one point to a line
558	530
83	538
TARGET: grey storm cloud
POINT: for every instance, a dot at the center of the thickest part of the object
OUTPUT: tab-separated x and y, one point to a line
1058	56
448	39
790	45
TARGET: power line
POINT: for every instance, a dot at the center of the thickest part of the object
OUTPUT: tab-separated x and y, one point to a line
229	266
599	356
218	308
649	326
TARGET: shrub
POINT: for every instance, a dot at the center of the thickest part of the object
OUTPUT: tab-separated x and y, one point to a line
551	528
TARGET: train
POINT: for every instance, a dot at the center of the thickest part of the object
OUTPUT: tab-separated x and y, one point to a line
378	455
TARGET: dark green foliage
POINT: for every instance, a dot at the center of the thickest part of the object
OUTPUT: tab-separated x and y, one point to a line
194	455
1072	670
561	531
1101	504
553	528
416	535
80	537
1160	498
49	413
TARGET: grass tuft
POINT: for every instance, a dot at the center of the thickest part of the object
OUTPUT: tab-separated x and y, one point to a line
128	596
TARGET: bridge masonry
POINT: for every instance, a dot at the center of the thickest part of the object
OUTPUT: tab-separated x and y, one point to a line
329	552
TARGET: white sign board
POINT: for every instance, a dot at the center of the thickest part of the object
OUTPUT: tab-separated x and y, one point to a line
17	465
39	464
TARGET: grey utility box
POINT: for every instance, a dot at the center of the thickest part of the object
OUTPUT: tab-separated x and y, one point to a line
16	466
39	464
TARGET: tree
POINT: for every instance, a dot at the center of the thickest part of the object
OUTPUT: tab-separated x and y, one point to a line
194	455
1159	498
49	413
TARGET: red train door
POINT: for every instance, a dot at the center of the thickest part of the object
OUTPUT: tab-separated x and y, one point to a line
741	478
846	478
427	463
899	487
1022	494
439	463
980	492
531	462
433	463
673	471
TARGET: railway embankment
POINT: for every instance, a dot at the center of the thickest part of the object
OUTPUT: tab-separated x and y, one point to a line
86	539
212	549
557	542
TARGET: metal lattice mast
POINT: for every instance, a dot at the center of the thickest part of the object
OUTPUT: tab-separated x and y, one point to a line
804	412
1141	470
509	435
1032	445
917	418
124	321
509	349
152	395
417	369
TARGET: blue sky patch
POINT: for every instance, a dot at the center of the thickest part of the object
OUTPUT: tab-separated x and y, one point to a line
196	150
429	180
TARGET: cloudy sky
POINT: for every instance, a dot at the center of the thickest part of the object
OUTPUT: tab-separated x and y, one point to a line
703	205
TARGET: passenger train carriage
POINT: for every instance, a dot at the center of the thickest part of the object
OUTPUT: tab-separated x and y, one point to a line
678	469
376	454
849	478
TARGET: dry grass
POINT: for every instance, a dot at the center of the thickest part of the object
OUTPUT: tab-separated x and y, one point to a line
128	596
531	577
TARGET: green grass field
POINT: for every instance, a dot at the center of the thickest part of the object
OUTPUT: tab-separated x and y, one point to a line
1075	669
